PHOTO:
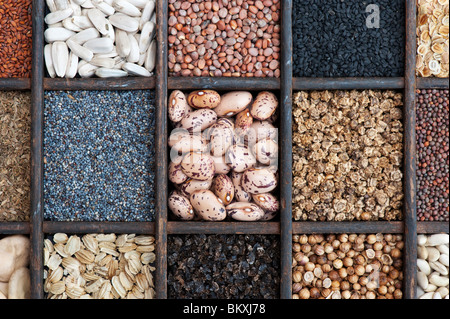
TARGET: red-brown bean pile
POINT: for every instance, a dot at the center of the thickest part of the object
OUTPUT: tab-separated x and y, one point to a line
15	38
230	38
432	133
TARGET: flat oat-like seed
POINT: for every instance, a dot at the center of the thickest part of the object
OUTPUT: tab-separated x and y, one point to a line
115	281
57	288
106	237
73	245
85	256
60	238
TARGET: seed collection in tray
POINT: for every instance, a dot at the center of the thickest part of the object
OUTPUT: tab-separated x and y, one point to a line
224	149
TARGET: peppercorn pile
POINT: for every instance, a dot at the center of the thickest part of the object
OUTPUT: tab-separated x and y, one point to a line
335	38
347	155
224	38
99	155
347	266
432	134
15	38
223	266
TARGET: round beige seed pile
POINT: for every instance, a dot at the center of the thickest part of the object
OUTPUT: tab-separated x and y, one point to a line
239	38
347	266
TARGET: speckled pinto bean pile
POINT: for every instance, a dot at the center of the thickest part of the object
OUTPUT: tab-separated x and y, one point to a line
224	155
224	38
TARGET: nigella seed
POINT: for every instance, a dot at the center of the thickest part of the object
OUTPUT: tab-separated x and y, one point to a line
331	39
223	266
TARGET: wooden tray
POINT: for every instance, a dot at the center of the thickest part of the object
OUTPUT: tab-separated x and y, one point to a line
285	227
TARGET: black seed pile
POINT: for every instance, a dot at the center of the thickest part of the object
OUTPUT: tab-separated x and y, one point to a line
99	155
331	39
223	267
432	135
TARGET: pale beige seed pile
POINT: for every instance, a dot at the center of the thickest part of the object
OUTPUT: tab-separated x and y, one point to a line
347	155
99	266
347	266
432	38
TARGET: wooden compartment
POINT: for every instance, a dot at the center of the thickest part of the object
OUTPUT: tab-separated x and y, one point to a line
284	226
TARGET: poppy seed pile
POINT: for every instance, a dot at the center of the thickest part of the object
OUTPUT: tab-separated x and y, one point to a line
99	151
352	38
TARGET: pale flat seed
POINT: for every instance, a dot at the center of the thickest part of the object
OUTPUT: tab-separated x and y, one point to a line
126	8
145	249
124	22
110	73
125	281
57	288
142	282
98	20
123	45
59	248
53	262
113	266
105	8
48	245
75	292
110	251
121	240
90	243
134	55
85	35
100	45
149	293
72	66
69	25
127	247
107	244
100	257
49	60
72	266
105	290
85	256
146	269
57	16
73	245
60	238
94	286
147	13
80	51
57	34
115	281
106	238
87	70
137	293
55	275
144	240
102	62
147	258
